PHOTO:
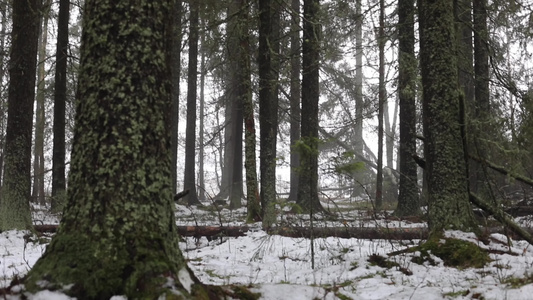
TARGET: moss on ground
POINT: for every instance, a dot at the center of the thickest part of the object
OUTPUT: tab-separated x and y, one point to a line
453	252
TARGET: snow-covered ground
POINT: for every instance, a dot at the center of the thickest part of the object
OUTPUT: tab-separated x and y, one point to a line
282	268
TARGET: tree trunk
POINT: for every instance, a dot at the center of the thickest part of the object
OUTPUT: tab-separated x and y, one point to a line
118	234
60	99
236	90
443	110
308	147
481	59
482	108
227	146
38	155
189	179
381	100
408	199
465	60
201	153
295	67
176	70
16	190
3	101
268	62
252	190
359	101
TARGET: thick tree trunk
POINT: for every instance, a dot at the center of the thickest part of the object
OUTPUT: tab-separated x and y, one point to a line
189	179
60	99
443	110
118	234
295	65
308	182
408	199
16	189
268	62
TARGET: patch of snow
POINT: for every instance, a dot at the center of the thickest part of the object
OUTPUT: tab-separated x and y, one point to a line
185	279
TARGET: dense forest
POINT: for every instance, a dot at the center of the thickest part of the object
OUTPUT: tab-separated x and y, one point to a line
109	108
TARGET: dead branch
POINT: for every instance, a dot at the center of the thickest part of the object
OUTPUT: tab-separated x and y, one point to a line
502	217
502	170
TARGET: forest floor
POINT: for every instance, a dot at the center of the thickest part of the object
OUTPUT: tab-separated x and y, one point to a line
325	268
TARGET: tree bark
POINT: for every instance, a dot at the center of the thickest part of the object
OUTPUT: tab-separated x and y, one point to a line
481	128
443	119
268	62
235	93
175	70
201	138
16	189
3	100
60	99
118	234
359	100
189	179
252	189
308	147
295	67
408	199
38	155
381	101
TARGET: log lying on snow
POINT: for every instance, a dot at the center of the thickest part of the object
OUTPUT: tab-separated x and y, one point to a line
353	232
305	232
197	231
295	232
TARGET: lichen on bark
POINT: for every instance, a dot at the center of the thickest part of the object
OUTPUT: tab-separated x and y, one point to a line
118	233
443	118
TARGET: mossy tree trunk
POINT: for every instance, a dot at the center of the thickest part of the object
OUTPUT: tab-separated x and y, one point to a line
60	99
118	234
16	189
308	182
268	62
443	118
408	199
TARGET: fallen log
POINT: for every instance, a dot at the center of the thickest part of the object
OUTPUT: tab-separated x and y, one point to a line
293	231
196	231
370	233
347	232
